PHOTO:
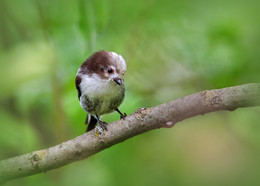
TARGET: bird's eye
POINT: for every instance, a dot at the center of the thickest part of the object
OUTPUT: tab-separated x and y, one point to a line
110	70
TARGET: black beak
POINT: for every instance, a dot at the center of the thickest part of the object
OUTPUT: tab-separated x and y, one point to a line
118	80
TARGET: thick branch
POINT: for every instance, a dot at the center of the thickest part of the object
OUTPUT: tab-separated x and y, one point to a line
142	120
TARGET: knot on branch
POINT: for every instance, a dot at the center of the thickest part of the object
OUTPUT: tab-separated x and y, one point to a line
170	124
141	113
212	98
36	157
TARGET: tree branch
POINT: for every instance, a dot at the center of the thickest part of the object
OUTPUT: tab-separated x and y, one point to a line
142	120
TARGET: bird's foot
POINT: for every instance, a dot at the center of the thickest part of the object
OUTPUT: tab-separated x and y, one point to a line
122	116
103	124
99	130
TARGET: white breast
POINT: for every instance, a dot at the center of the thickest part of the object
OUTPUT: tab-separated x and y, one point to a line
95	87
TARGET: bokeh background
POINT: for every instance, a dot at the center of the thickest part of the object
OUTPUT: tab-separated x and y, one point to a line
173	48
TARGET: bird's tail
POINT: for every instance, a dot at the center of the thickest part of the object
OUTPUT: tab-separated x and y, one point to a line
91	121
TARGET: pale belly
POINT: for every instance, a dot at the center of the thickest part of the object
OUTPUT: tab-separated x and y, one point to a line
102	104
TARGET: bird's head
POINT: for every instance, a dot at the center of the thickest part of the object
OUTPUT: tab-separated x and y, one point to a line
107	65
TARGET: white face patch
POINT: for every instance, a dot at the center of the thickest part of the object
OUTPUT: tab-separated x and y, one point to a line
121	64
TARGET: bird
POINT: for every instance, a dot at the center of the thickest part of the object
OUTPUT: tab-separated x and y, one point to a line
100	85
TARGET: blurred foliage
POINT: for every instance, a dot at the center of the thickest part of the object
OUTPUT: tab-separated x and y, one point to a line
172	48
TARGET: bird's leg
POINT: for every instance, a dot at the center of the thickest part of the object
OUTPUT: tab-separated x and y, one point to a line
101	123
122	116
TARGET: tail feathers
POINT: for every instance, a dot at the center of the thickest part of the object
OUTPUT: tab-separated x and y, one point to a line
91	121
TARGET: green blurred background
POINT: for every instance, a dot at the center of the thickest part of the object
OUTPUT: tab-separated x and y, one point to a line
173	48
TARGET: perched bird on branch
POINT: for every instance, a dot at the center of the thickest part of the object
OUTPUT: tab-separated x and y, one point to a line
100	86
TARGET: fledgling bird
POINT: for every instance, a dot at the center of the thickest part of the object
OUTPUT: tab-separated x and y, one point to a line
100	86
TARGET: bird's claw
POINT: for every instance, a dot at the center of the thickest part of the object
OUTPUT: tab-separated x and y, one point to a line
103	125
122	116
